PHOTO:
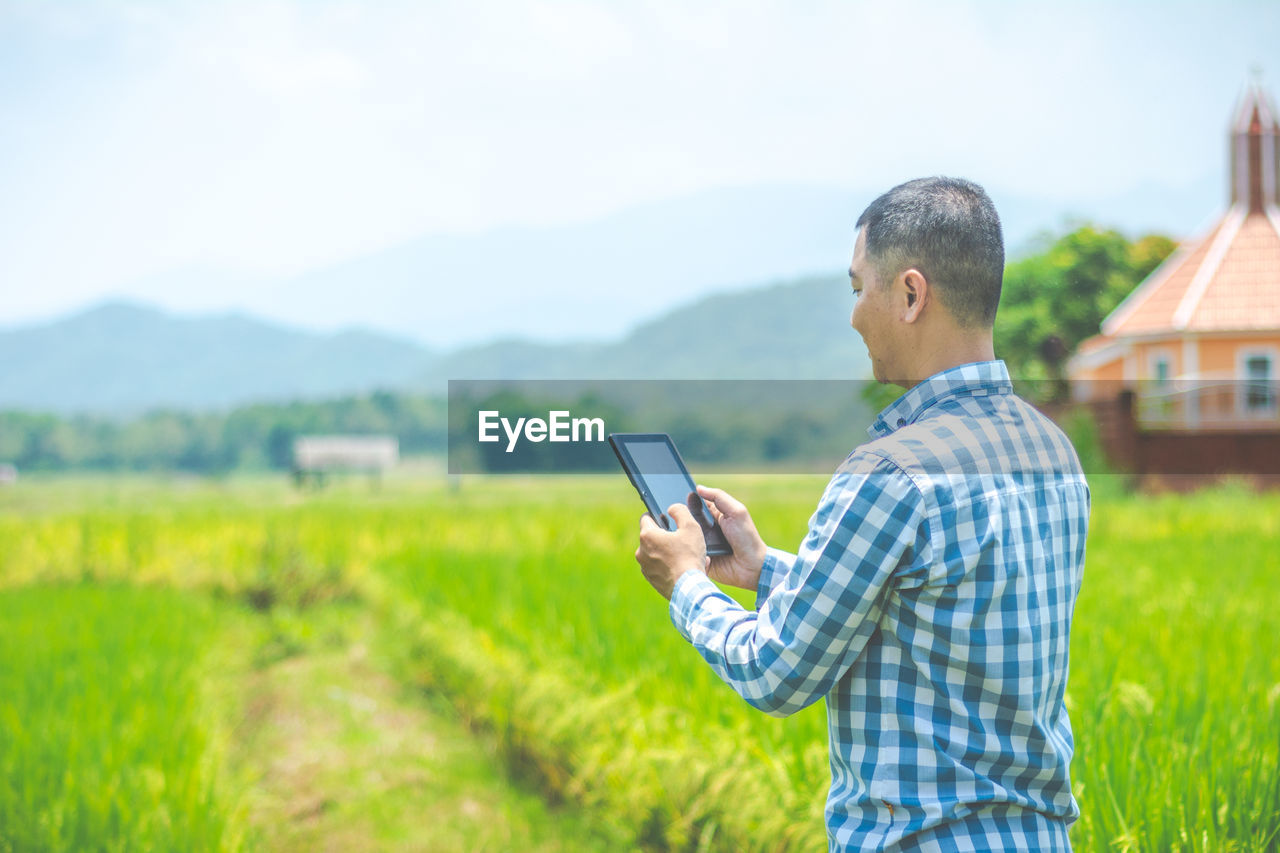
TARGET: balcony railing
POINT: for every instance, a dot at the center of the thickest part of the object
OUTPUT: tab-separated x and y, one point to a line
1208	404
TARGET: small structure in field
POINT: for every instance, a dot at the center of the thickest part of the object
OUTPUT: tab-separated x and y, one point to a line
316	456
8	474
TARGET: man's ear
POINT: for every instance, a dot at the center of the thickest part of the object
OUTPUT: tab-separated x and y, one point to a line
915	290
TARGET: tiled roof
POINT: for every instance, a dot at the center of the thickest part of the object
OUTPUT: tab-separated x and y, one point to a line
1245	291
1228	281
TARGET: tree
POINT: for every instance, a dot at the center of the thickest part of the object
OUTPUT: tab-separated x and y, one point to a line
1054	299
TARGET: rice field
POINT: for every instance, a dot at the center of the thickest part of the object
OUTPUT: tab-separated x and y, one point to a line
518	602
104	740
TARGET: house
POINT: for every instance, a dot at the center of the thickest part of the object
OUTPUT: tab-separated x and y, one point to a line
1195	348
314	456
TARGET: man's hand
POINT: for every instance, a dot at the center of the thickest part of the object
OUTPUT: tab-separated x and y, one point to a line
665	556
742	567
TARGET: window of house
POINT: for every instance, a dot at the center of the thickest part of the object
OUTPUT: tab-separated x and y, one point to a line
1159	404
1259	391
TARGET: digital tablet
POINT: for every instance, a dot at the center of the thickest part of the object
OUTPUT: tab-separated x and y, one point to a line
658	473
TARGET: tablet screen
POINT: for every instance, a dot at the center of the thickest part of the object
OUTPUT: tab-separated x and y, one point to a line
667	483
659	475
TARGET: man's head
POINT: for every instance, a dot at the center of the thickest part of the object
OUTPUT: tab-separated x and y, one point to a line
928	264
948	229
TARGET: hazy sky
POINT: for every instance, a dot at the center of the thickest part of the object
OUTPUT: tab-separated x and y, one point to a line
271	138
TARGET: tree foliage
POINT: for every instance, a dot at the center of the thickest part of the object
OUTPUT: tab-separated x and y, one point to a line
1058	296
258	436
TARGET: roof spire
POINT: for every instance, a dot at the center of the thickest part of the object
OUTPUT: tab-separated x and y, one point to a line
1255	150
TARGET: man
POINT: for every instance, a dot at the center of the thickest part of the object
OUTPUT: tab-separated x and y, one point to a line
931	600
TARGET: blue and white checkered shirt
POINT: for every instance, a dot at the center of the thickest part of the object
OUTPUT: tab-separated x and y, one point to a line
930	603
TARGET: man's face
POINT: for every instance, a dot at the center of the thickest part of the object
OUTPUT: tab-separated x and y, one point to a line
871	315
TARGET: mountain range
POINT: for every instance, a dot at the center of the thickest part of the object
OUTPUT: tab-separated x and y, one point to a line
651	291
596	280
122	358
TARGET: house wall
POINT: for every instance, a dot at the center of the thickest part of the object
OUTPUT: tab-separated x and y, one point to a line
1097	382
1112	371
1218	354
1222	355
1215	401
1147	351
1215	355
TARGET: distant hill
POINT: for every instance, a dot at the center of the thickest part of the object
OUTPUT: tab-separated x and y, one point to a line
121	358
595	280
592	280
794	330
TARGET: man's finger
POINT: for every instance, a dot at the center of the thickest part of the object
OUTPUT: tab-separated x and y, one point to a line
646	521
714	510
726	503
680	514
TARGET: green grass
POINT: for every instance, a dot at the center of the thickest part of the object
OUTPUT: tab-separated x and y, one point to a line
104	743
1175	687
519	602
1175	676
340	756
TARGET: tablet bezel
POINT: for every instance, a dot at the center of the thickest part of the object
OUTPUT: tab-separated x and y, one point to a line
619	441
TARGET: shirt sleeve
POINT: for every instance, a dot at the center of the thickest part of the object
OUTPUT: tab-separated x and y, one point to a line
776	564
822	606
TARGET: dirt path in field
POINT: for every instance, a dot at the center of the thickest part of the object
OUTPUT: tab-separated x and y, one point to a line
341	758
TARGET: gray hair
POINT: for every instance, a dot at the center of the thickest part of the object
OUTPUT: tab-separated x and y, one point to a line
949	230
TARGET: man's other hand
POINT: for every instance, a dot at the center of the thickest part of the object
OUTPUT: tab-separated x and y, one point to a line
742	567
665	556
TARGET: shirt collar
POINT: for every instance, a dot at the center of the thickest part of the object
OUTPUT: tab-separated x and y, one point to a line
979	379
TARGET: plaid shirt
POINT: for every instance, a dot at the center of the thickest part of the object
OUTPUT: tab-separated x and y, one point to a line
930	603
